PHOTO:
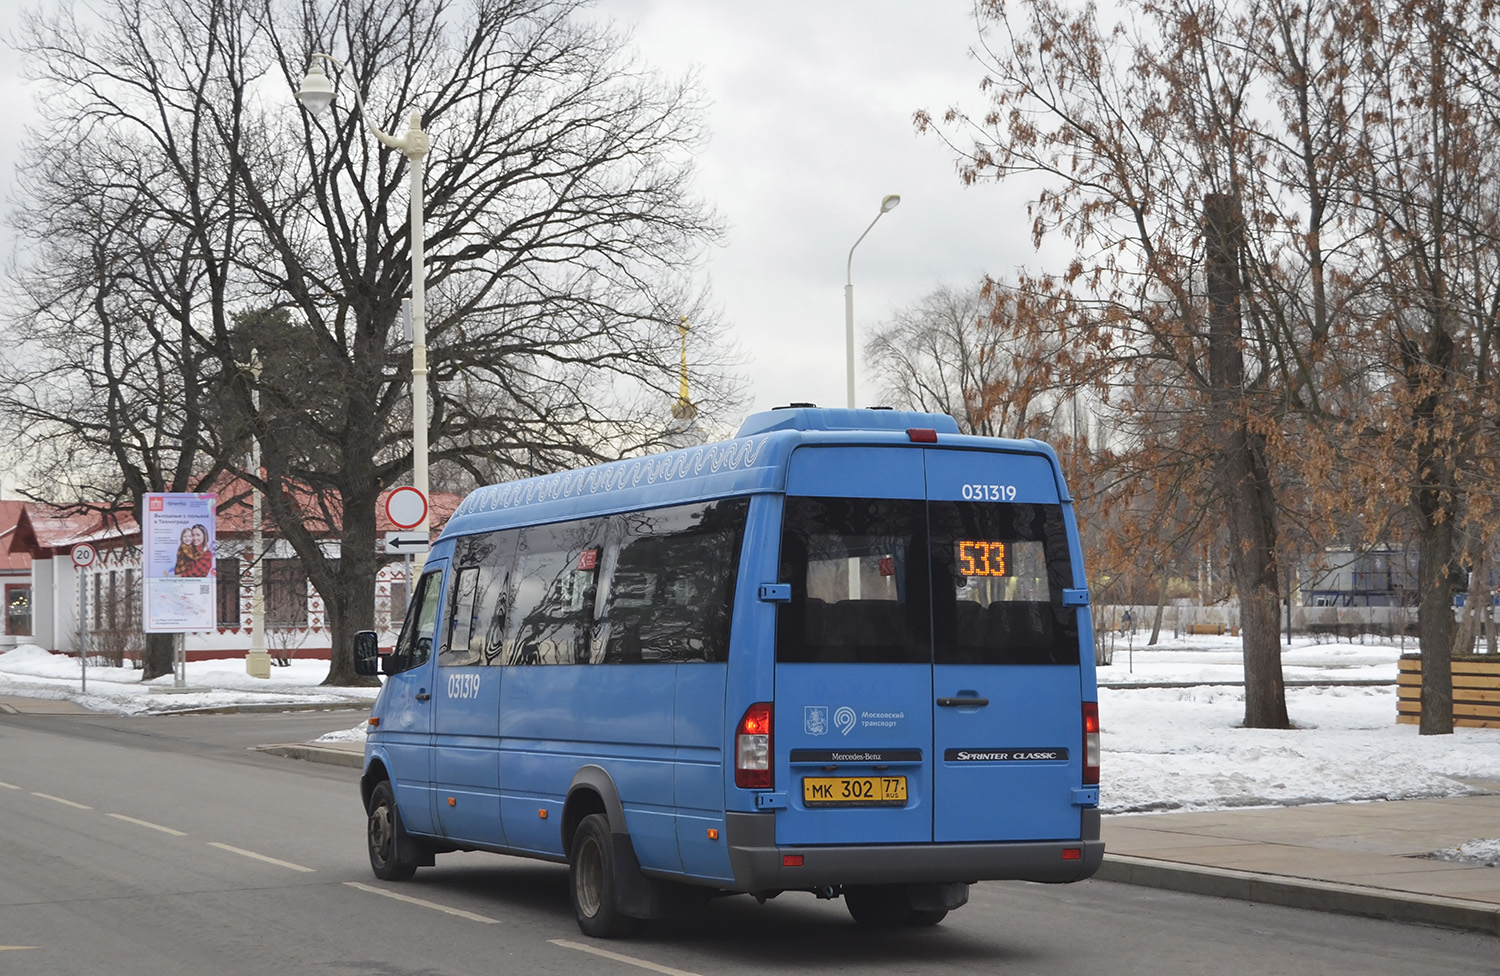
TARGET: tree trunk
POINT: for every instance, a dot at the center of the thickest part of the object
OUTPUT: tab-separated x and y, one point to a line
1241	473
351	595
157	658
1161	603
351	601
1435	546
1434	500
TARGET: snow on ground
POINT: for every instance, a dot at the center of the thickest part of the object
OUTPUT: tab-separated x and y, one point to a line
31	672
1184	749
1486	852
1164	748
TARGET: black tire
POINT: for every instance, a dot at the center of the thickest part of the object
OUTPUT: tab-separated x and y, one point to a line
918	919
878	906
394	854
591	878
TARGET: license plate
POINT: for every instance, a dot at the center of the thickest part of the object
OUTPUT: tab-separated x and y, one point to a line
854	791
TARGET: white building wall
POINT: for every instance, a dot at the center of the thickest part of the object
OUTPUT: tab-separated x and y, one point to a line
65	603
43	627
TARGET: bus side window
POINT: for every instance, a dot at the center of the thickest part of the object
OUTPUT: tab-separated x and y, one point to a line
481	599
414	645
463	620
672	584
556	576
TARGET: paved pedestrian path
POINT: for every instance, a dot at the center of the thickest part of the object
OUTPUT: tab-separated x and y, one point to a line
1359	858
17	705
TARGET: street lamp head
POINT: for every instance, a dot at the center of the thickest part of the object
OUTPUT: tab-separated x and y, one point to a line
887	203
316	92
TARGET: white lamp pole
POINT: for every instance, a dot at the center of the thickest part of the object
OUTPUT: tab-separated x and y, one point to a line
257	661
887	204
316	94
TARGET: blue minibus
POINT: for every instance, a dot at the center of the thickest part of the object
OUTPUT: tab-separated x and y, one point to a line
847	652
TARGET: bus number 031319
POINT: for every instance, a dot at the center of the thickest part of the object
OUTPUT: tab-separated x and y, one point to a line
989	493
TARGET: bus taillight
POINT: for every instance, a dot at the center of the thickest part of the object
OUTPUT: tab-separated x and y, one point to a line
1091	743
752	749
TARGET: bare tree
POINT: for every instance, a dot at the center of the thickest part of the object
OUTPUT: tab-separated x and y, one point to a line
972	355
1131	132
106	390
1431	191
1286	263
562	235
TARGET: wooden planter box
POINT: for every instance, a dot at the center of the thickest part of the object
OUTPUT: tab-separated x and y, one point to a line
1476	690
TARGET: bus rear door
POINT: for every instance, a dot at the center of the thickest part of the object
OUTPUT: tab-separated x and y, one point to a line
853	710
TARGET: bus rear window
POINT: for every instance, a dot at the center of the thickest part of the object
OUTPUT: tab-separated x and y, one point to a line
859	582
999	571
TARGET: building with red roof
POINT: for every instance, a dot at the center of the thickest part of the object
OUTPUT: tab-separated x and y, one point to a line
15	580
39	541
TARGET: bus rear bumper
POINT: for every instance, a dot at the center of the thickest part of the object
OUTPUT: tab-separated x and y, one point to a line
760	865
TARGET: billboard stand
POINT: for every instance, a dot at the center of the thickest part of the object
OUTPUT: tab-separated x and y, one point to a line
179	670
179	591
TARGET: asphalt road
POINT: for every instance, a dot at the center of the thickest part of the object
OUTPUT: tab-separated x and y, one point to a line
161	846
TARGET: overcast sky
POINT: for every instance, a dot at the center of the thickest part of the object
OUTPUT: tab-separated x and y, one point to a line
810	122
811	126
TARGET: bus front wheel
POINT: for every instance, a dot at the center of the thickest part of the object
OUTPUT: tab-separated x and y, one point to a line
591	873
393	852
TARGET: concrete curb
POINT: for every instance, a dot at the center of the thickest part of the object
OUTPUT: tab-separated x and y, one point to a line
333	755
349	705
1322	896
1290	683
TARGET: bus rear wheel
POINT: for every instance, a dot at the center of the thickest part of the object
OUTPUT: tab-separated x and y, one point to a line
878	906
393	853
917	919
591	876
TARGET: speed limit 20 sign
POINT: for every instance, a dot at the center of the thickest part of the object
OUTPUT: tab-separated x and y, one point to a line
83	555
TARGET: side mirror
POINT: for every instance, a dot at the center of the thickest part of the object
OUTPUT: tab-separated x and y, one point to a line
366	653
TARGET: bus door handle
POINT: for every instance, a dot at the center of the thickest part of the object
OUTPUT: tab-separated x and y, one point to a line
423	696
963	702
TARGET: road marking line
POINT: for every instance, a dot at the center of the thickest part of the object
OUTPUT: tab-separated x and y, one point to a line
628	960
259	857
10	787
425	904
147	823
58	799
12	948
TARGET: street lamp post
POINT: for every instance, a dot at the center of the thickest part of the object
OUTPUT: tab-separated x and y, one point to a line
887	204
257	661
316	94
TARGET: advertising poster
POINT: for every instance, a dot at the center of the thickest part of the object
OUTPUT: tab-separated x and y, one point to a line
177	539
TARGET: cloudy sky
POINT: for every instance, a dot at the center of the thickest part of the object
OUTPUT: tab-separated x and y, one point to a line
811	126
810	121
